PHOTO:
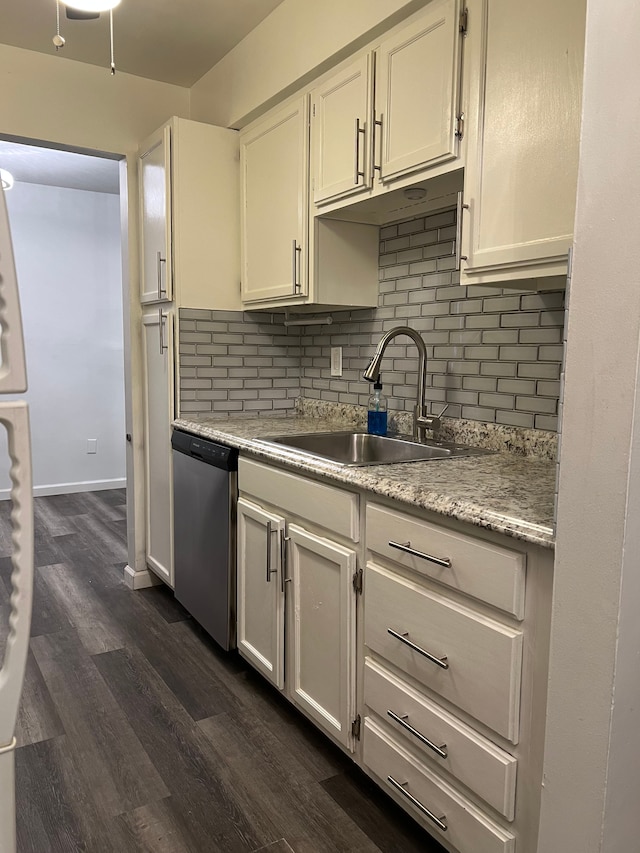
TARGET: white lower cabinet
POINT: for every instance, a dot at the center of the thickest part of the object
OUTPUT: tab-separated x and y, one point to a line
455	655
322	642
260	613
430	798
159	411
296	596
447	646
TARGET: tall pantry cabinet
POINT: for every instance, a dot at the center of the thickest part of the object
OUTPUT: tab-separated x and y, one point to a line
188	177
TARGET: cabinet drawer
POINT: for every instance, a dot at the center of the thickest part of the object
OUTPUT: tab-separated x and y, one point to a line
480	569
483	664
468	829
328	507
476	762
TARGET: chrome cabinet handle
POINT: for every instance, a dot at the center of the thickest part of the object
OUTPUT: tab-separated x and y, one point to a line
283	560
400	786
358	173
297	253
269	532
377	122
402	721
406	547
160	260
460	206
161	318
441	662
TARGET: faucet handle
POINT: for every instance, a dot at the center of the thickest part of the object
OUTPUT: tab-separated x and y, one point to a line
440	414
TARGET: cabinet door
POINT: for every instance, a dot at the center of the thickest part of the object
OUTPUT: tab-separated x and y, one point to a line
158	354
523	137
260	614
340	133
417	73
274	175
154	177
322	642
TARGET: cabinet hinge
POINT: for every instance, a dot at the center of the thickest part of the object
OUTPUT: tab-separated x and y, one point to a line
459	126
357	581
355	727
313	110
463	24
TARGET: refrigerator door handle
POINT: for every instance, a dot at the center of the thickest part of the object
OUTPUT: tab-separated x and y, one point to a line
13	371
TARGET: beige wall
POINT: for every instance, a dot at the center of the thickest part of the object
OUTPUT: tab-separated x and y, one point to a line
70	103
298	40
592	756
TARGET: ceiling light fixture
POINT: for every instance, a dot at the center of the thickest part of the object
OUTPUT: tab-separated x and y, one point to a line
6	178
87	10
92	5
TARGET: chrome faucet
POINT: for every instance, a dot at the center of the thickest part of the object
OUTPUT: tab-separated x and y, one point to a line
421	420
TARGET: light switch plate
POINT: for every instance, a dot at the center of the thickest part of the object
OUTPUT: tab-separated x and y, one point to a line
92	445
336	361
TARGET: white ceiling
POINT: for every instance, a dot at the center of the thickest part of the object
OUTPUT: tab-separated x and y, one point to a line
176	41
33	165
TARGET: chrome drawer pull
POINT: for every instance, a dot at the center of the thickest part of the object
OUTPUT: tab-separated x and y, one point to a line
406	547
441	662
402	721
439	821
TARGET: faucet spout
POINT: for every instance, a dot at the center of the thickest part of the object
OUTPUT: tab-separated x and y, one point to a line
421	421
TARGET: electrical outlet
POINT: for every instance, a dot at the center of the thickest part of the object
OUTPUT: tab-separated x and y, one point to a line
92	445
336	361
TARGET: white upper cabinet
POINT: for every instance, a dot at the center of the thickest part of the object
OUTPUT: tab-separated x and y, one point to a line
341	132
417	87
274	180
154	172
525	86
188	179
360	148
284	262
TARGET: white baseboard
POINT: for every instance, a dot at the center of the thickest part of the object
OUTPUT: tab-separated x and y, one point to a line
71	488
140	580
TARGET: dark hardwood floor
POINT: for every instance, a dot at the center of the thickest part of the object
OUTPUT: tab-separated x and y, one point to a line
137	733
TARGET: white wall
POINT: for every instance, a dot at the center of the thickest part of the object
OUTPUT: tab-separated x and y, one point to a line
67	254
592	755
297	41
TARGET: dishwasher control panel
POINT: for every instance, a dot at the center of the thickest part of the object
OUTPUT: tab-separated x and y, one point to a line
205	450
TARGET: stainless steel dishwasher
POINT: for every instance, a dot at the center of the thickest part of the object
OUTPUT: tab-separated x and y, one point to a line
205	484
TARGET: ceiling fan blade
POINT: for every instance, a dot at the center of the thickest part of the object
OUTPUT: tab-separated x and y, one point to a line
77	15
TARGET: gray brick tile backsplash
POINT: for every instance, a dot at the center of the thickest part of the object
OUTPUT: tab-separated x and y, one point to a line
494	354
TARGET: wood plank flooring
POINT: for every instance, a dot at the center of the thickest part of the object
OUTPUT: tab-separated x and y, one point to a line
137	734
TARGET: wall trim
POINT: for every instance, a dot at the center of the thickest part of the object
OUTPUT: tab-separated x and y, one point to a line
140	579
71	488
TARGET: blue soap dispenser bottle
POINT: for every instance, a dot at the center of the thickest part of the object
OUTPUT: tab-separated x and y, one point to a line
377	411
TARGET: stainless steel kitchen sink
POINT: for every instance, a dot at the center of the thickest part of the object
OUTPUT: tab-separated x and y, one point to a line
360	448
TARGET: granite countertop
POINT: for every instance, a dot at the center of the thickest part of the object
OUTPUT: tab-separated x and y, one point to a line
500	492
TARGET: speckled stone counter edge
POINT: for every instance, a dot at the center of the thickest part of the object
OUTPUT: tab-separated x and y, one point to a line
501	492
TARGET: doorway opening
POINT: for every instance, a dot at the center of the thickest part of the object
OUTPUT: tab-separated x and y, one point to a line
65	218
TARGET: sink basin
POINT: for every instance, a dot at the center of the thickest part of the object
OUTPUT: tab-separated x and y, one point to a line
360	448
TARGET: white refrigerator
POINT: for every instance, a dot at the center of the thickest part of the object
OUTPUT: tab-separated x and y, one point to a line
14	417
